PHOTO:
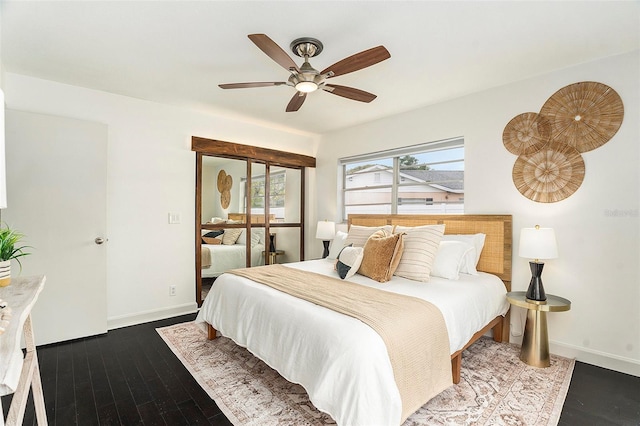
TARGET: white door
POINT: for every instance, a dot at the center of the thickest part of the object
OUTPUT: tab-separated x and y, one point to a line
56	196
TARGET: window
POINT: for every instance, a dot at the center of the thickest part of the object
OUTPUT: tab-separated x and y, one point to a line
427	178
277	184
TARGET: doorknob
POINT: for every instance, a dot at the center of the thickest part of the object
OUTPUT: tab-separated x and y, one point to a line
99	240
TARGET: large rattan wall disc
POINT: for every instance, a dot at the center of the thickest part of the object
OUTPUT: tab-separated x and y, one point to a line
549	175
584	115
526	133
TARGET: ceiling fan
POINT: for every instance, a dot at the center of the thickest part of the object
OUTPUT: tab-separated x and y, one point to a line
306	79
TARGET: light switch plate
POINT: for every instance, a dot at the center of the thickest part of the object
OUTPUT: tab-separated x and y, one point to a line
174	218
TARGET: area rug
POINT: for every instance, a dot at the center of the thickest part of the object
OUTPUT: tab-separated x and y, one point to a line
496	388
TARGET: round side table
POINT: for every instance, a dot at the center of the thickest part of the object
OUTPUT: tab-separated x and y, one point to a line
535	342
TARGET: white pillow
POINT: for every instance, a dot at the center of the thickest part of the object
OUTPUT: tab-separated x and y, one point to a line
256	236
472	258
450	258
358	235
337	244
420	247
349	261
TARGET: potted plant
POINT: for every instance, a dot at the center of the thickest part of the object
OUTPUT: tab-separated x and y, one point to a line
9	249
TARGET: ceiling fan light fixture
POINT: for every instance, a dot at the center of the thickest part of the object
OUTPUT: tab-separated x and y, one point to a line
306	86
306	79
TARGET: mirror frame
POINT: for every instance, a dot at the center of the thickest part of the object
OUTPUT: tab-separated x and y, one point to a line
250	154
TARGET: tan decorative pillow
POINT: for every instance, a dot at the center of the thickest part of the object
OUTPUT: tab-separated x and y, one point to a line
212	240
230	236
382	253
420	247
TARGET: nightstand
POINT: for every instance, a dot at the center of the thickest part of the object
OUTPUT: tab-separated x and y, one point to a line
273	256
535	342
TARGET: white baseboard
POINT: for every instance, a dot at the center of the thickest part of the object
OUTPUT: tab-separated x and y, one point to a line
601	359
153	315
589	356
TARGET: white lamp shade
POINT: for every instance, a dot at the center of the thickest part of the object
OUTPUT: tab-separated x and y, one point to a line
326	230
538	243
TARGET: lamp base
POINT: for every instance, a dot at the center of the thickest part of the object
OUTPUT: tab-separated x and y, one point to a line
536	290
326	249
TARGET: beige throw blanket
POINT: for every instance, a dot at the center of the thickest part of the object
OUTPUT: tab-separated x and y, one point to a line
413	329
206	257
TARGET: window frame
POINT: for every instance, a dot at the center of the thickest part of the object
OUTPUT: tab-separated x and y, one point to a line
397	181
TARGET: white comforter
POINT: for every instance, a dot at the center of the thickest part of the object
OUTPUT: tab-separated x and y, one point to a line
341	362
225	257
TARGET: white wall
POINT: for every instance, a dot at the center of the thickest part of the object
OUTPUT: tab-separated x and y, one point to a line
3	190
150	172
597	227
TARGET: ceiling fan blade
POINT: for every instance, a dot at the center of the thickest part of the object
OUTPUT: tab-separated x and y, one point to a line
358	61
248	85
349	93
273	51
296	102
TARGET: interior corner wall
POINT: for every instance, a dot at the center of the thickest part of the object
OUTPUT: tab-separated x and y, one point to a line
597	227
150	172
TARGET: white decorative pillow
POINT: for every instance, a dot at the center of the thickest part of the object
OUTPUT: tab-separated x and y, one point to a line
231	235
349	261
257	236
472	258
337	244
420	247
358	235
450	258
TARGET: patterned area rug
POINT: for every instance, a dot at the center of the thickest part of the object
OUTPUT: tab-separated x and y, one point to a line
496	387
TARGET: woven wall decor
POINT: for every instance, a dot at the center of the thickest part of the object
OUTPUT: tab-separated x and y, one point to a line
549	175
577	118
526	133
225	182
584	115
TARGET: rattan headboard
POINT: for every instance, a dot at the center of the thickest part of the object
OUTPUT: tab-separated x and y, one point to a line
496	254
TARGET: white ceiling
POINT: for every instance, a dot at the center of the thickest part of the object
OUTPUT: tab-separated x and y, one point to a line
177	52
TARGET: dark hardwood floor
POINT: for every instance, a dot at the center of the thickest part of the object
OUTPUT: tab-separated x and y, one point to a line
130	377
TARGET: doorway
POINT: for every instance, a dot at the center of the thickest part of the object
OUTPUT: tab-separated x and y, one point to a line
56	195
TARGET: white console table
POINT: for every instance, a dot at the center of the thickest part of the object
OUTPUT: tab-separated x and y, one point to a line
18	374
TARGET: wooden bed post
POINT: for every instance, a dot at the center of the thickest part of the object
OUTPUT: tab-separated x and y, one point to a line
501	332
211	332
456	364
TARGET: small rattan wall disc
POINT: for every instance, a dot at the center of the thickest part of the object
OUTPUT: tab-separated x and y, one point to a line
225	199
526	133
584	115
549	175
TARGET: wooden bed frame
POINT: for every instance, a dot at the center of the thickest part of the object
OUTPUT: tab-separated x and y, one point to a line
494	259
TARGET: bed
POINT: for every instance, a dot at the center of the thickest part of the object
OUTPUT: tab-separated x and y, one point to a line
342	362
223	257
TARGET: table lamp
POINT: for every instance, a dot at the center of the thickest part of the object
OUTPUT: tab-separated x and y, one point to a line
325	232
537	243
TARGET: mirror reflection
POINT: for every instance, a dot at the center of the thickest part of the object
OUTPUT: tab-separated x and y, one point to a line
272	198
